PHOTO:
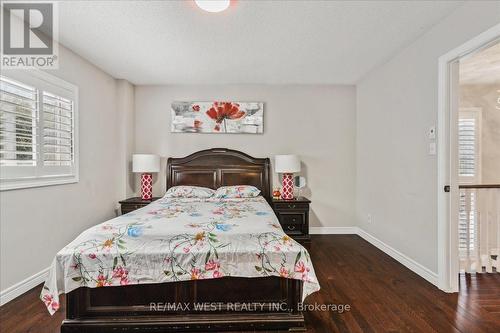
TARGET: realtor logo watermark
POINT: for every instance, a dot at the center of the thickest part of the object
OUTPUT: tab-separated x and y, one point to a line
29	35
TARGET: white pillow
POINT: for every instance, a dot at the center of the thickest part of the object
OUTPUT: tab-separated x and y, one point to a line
238	191
189	192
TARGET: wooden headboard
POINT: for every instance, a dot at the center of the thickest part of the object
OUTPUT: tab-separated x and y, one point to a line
220	167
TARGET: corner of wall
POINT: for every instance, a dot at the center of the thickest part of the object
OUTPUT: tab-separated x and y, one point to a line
125	96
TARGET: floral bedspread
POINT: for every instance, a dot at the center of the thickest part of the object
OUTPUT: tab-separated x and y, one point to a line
180	239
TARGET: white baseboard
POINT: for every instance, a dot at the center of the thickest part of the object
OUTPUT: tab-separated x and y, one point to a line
20	288
400	257
333	230
406	261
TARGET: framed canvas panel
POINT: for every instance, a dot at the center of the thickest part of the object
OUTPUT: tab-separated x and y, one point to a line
217	117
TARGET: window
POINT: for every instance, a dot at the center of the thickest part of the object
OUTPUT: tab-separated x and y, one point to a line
469	172
469	148
38	130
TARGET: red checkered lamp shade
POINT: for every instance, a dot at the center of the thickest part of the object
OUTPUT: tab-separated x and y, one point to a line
146	164
287	165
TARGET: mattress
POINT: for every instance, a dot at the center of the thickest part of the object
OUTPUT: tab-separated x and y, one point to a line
178	239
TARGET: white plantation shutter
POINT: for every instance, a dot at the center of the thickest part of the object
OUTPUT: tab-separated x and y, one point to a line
18	118
38	130
467	146
469	126
57	131
467	224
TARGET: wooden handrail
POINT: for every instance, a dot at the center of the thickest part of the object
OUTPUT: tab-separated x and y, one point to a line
479	186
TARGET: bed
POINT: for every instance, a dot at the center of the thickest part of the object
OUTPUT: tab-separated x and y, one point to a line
187	264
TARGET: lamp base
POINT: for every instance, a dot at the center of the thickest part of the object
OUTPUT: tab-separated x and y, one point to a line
287	191
146	186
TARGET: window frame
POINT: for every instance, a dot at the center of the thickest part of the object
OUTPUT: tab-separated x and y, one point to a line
47	175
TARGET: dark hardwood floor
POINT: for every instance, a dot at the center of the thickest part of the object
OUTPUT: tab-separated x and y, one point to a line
384	296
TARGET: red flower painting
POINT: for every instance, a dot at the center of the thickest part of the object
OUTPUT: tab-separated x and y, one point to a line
217	117
220	111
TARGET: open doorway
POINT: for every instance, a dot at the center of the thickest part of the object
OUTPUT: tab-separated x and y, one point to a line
478	142
469	160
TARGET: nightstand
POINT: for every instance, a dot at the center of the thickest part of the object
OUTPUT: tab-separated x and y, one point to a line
294	218
132	204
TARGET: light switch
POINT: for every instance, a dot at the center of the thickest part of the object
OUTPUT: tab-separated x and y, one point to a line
432	148
432	132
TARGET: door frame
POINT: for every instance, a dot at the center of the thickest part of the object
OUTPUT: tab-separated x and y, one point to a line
447	172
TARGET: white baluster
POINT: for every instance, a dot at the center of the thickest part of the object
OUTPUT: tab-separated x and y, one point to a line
468	266
496	209
488	225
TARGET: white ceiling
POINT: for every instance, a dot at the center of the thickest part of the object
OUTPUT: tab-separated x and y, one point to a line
482	67
274	42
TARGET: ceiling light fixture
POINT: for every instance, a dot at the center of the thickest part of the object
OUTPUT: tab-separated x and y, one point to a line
213	6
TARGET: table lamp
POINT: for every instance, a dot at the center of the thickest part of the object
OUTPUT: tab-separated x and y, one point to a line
287	165
146	164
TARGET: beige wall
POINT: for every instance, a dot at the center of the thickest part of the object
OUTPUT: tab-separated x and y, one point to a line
397	103
485	96
315	122
37	222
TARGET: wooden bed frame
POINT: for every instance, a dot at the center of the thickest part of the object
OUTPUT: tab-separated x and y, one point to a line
266	303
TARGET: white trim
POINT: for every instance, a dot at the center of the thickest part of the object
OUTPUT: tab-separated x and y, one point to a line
400	257
9	184
333	230
20	288
447	253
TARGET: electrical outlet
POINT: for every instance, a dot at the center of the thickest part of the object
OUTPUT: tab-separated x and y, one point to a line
370	218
